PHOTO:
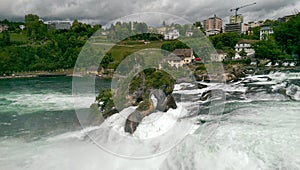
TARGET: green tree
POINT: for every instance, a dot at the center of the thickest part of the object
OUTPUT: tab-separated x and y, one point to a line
219	45
36	29
227	39
106	60
6	38
230	53
199	25
172	45
243	53
287	35
253	34
268	49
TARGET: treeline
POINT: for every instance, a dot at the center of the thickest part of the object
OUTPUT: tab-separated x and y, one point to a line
120	31
44	48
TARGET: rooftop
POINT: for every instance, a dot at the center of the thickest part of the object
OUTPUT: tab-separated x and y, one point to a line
186	52
246	41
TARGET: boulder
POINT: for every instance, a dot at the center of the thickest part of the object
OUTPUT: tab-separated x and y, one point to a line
214	94
201	86
230	77
145	108
140	93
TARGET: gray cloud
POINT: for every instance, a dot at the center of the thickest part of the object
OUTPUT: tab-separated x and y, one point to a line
107	10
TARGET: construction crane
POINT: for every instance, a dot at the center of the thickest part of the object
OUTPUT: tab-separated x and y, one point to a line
238	8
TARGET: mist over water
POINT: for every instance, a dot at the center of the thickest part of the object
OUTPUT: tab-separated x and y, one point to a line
260	128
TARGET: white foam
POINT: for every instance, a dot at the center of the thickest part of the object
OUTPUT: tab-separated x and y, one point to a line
279	86
260	136
29	103
294	92
162	123
80	135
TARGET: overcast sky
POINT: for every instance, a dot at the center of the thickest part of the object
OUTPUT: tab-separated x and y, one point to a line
104	11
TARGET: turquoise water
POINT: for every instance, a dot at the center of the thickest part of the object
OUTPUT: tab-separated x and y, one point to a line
33	107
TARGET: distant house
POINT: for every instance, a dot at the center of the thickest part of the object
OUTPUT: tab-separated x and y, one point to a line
161	30
265	31
219	55
254	24
245	45
179	57
22	27
59	25
189	33
3	27
172	35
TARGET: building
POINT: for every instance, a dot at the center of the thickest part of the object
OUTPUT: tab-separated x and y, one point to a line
179	57
22	27
245	45
236	19
236	24
245	28
189	33
172	35
212	25
219	56
3	27
59	25
161	30
174	61
265	31
234	28
237	27
253	24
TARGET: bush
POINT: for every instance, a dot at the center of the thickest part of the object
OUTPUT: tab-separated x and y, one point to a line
201	67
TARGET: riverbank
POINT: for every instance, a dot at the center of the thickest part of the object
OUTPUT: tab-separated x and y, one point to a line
59	73
231	71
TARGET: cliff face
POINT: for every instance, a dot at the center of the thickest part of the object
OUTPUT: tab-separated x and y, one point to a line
145	86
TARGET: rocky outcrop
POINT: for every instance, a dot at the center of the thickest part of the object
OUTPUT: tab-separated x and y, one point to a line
231	73
215	94
145	86
201	86
146	107
142	88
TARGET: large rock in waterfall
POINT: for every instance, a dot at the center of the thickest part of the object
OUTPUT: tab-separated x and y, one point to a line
143	93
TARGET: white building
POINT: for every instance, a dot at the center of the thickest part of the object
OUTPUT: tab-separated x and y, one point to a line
172	35
245	45
189	33
22	27
219	56
265	31
179	57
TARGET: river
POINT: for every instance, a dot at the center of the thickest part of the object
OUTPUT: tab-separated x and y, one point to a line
259	129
